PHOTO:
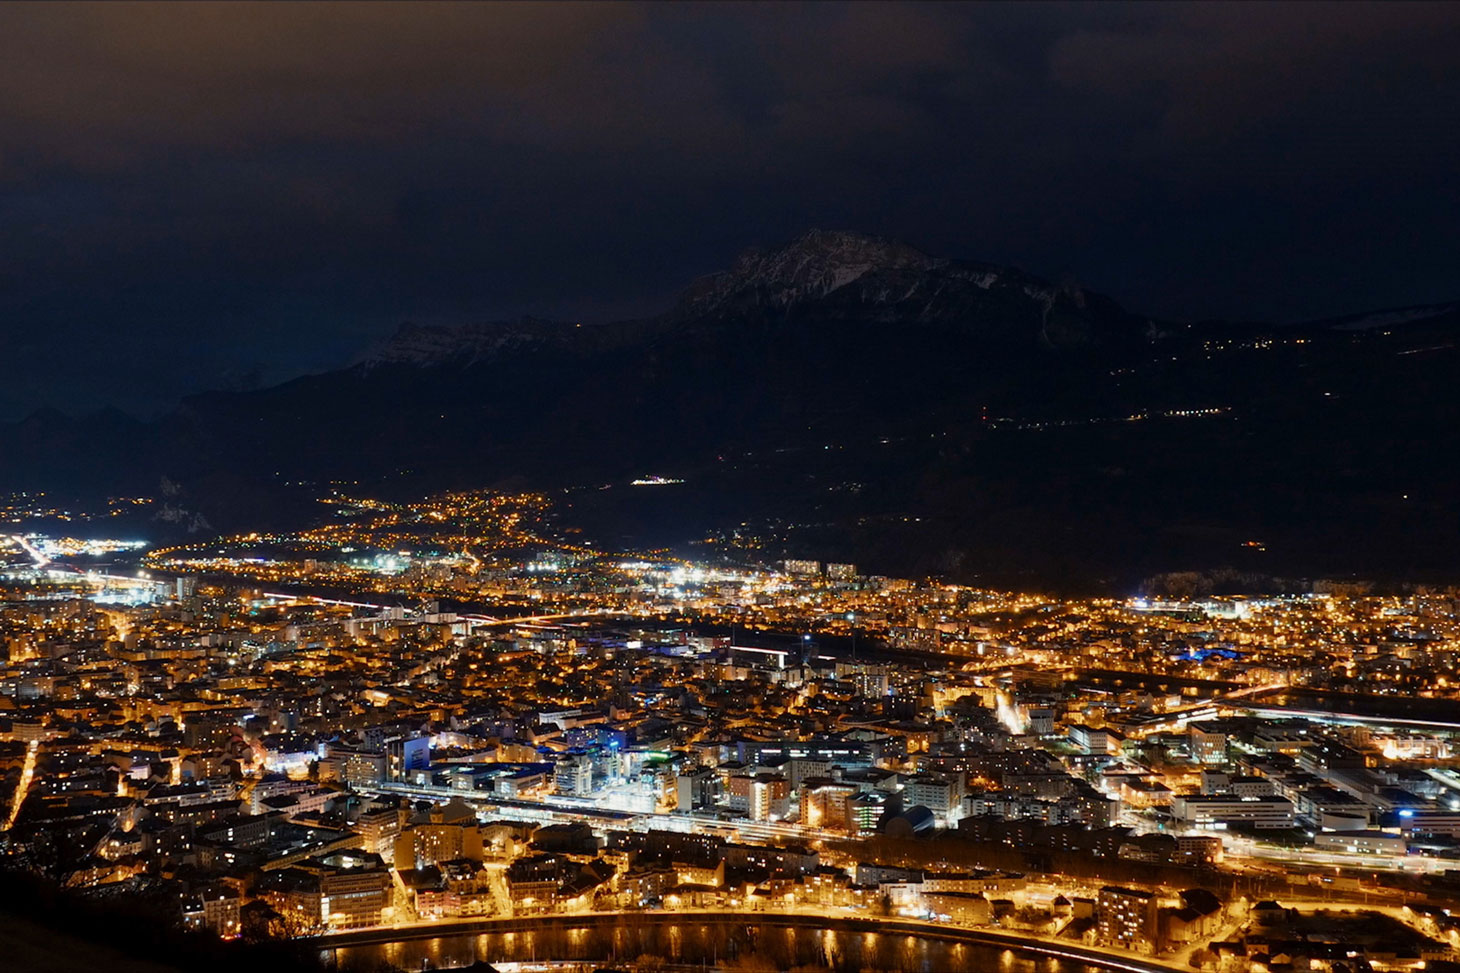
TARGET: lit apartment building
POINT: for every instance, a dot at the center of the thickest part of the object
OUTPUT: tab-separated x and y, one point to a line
1208	744
1126	918
378	827
698	788
939	794
769	797
825	803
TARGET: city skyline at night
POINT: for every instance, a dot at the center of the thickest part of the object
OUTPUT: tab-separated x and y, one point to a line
814	487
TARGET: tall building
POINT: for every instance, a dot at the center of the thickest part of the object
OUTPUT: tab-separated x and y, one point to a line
866	811
1127	918
737	791
941	795
770	797
405	755
1208	743
698	788
364	769
342	890
441	833
825	803
378	826
216	908
573	775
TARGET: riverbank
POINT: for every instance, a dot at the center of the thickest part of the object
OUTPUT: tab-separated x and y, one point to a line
707	936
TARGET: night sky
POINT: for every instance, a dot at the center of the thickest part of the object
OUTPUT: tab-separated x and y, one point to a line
221	195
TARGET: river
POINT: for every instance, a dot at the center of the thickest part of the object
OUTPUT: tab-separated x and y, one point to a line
699	945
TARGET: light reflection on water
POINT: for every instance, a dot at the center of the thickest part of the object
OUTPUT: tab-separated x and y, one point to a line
700	945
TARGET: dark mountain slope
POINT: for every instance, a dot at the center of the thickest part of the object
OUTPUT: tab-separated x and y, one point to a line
853	397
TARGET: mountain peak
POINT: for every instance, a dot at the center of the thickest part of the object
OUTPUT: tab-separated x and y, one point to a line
810	267
840	246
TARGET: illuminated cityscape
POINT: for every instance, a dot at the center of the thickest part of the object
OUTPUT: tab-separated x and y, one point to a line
755	487
444	712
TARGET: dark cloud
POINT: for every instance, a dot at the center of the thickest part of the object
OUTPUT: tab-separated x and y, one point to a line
191	193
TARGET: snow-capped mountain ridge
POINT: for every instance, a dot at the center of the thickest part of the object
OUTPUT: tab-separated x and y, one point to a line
830	276
868	275
425	345
822	262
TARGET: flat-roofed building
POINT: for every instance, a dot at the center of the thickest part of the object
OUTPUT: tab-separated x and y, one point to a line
1217	811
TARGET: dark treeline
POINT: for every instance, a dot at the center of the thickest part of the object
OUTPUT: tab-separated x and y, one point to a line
141	926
